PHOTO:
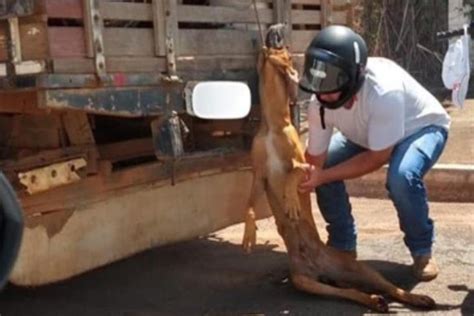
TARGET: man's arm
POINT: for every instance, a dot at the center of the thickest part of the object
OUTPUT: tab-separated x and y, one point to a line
357	166
316	160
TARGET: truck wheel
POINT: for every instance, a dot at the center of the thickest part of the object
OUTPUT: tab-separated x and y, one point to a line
11	229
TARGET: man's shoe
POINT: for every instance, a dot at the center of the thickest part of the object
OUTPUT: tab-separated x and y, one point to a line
425	268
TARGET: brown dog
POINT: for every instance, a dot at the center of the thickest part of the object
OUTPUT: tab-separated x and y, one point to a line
277	158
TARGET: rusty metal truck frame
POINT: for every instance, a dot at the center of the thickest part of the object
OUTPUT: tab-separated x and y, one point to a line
91	101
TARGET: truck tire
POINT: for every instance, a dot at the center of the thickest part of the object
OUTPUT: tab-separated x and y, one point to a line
11	229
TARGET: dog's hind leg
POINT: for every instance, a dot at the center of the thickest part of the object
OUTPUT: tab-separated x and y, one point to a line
259	157
250	231
358	273
368	276
307	284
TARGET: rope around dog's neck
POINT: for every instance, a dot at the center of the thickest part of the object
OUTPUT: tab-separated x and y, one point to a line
258	22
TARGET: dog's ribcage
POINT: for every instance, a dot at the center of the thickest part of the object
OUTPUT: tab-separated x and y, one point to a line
275	164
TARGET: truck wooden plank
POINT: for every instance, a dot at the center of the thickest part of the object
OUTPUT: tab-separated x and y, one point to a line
88	91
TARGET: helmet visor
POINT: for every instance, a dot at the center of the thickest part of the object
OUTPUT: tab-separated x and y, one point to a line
323	77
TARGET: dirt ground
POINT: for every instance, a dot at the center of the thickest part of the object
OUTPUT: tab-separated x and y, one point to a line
212	275
460	146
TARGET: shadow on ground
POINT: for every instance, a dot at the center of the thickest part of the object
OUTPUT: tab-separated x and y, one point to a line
467	306
200	277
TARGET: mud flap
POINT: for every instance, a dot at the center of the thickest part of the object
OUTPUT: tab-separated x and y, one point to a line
11	229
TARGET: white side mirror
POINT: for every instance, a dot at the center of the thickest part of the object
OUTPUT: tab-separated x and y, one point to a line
218	99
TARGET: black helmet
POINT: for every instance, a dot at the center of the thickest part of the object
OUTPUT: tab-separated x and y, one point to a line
335	62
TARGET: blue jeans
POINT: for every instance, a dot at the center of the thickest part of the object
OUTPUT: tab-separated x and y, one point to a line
410	160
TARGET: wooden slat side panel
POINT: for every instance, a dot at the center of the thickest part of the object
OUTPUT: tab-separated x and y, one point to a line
315	17
126	11
143	12
301	40
306	17
68	9
129	42
67	42
133	49
34	41
228	62
70	42
318	2
72	9
307	2
243	4
156	65
215	42
113	65
215	14
159	27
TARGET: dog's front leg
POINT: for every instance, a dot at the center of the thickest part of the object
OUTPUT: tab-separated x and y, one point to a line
291	198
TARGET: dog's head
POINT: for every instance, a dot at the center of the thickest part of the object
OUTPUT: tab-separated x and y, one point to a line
277	59
276	36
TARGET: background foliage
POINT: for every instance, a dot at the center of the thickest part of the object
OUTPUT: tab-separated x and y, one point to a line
404	30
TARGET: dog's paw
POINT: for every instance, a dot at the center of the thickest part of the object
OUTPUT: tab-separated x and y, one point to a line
378	303
249	241
250	233
292	206
423	301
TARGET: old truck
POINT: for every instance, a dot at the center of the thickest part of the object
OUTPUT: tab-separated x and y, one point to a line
96	134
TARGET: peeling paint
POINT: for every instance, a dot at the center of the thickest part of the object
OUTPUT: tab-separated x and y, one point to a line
33	31
106	231
45	178
53	223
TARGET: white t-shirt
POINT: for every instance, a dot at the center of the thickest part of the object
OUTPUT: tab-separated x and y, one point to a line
390	106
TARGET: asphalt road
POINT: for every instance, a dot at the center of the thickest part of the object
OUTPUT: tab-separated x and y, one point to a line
212	276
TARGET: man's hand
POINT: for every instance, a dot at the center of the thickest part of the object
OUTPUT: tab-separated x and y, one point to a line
312	179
